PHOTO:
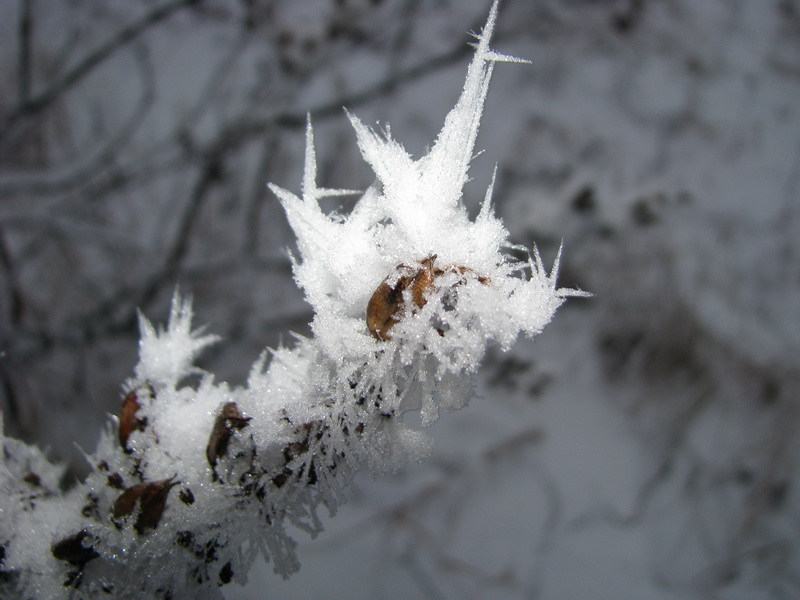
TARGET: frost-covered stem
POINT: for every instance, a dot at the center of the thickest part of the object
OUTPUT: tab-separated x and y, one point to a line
407	293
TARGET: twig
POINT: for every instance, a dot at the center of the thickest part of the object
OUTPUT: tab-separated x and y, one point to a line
37	103
24	65
85	170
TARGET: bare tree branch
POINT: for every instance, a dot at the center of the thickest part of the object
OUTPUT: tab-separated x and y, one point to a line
24	65
33	105
64	180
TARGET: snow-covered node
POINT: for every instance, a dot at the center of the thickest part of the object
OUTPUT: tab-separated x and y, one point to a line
407	293
412	225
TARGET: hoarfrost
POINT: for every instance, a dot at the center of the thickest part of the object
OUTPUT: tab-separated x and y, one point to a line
450	285
407	293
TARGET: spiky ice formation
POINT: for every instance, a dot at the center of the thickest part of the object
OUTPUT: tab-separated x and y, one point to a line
477	293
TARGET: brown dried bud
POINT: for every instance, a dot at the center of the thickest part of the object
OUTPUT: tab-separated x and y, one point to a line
128	422
229	418
152	499
386	306
73	550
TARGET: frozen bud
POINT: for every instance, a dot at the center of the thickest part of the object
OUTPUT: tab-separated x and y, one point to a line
229	418
128	421
152	499
386	306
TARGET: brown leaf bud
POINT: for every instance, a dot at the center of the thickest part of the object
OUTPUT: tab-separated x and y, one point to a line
229	418
152	499
387	305
128	422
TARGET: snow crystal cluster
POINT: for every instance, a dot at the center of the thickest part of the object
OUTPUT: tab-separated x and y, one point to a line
450	286
407	293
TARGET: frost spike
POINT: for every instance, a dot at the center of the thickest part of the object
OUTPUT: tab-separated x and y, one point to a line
311	193
486	207
166	355
553	277
391	163
309	186
448	160
539	264
498	57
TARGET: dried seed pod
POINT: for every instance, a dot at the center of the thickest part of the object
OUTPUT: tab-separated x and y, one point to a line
73	549
152	499
229	418
128	422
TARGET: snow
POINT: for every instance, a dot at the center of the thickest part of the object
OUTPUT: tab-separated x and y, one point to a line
167	356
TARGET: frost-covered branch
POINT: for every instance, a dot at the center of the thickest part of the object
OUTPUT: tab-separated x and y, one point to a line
407	293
